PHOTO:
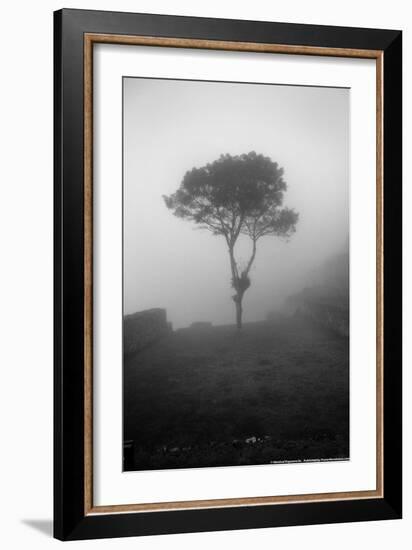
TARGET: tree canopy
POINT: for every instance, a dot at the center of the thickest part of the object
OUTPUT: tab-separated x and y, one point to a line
235	195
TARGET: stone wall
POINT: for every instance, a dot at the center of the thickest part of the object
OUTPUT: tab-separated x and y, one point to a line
201	325
328	307
331	316
144	328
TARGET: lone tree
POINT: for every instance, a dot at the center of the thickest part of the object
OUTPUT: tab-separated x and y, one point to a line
233	196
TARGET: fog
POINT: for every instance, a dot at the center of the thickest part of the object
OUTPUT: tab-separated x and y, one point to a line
172	126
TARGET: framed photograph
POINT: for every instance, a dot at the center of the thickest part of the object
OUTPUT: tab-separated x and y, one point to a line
227	274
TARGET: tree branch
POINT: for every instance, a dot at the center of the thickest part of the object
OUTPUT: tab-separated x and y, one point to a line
252	258
233	264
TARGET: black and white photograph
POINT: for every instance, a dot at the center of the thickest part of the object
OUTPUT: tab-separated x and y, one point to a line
236	250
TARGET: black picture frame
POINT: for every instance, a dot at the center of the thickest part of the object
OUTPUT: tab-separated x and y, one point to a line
71	522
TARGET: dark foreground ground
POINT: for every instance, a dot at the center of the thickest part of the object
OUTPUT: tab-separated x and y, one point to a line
279	391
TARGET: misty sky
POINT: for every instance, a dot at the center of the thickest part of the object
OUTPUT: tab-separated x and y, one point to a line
170	126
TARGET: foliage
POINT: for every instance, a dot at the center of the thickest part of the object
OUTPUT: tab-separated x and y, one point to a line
235	195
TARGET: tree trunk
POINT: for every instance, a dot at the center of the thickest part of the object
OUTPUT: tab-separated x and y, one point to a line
239	311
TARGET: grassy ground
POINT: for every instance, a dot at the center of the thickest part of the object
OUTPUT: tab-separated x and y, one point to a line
213	397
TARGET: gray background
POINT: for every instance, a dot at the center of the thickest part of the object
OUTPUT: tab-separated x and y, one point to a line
170	126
